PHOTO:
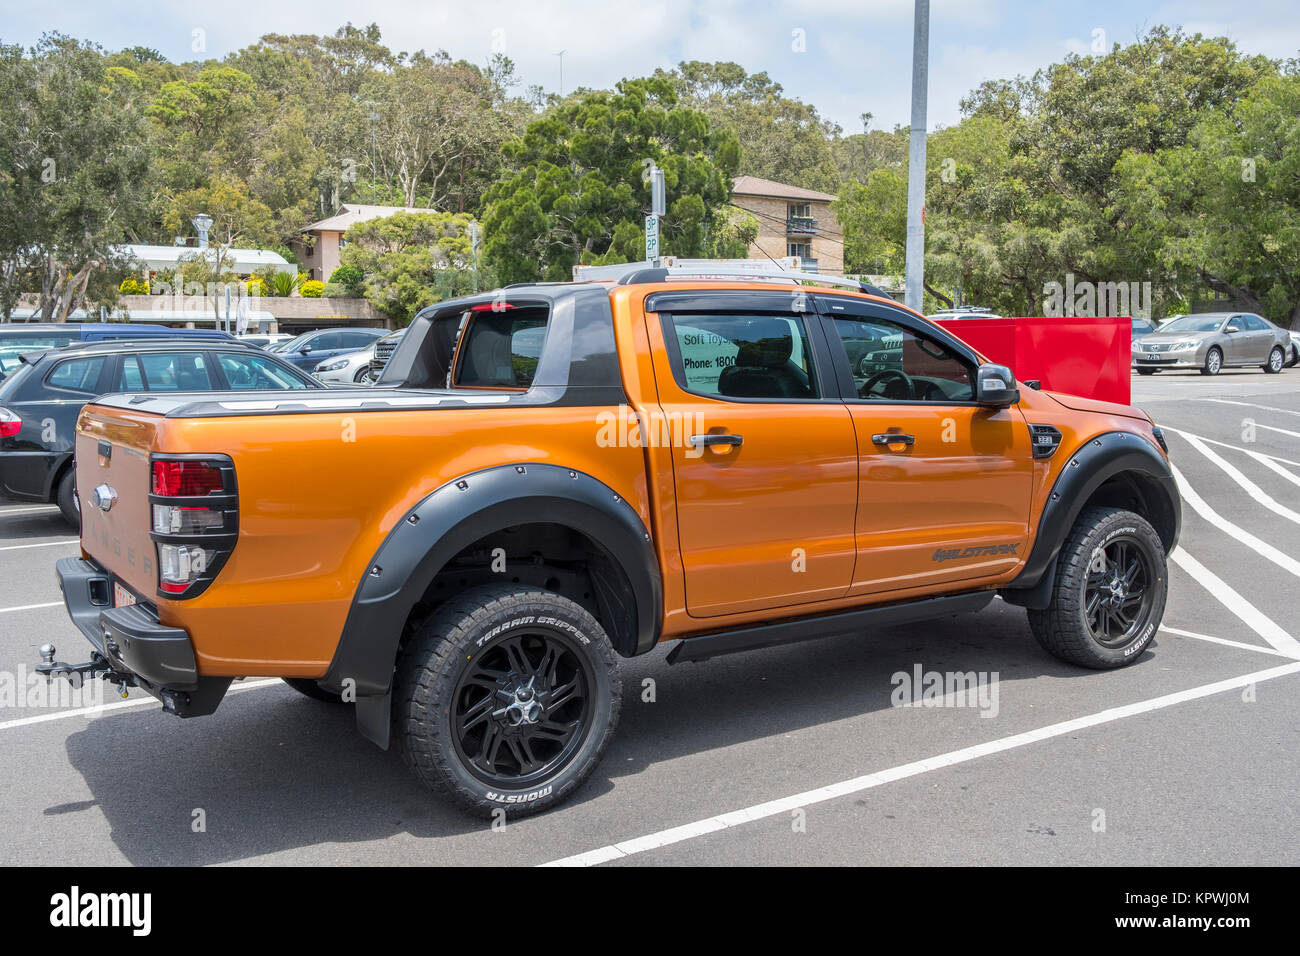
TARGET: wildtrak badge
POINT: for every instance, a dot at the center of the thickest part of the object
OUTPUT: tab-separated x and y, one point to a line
984	551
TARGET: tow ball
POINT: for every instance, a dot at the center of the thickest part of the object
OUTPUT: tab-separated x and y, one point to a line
77	674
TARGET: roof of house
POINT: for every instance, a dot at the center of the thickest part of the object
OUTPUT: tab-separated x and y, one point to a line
753	186
352	213
168	257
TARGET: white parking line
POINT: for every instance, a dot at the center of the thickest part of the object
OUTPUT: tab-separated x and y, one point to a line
41	544
30	607
808	798
1223	640
1267	408
1257	545
1252	489
1251	616
120	705
1257	455
1281	431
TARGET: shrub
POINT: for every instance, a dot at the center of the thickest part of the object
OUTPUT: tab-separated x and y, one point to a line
283	283
256	287
311	289
133	286
336	290
352	277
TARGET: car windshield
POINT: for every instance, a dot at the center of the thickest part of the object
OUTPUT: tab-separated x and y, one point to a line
1194	323
293	344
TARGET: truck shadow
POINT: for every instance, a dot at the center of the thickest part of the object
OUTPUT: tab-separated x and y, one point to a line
273	771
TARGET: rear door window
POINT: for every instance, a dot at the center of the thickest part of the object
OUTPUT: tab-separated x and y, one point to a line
77	375
175	371
744	356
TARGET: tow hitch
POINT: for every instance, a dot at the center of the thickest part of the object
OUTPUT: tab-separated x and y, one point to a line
76	674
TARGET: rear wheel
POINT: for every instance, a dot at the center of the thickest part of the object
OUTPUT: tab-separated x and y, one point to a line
1276	359
66	498
506	697
1109	593
1213	362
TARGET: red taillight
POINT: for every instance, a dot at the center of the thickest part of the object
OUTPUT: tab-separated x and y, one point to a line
10	424
183	479
492	307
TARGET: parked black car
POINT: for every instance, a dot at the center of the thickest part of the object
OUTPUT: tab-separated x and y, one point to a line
39	402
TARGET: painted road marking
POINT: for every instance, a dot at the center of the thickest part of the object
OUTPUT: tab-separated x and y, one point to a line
1251	616
92	712
30	607
1223	640
1257	455
662	838
1259	546
1252	489
1267	408
42	544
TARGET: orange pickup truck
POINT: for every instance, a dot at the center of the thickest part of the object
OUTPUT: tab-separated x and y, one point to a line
551	476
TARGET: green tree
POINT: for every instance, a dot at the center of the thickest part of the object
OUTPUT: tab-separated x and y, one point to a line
411	260
74	174
579	193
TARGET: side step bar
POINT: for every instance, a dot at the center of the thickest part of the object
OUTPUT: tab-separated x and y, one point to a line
704	646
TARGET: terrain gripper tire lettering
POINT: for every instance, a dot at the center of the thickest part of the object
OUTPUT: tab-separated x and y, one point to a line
1062	629
447	645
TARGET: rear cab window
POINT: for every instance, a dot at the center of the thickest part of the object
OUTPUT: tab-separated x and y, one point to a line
499	348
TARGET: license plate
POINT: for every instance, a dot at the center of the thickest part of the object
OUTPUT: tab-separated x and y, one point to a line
1153	355
121	596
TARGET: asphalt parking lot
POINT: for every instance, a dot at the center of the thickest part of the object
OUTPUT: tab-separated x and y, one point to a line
793	755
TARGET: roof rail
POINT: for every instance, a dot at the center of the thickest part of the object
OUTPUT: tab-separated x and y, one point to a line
670	267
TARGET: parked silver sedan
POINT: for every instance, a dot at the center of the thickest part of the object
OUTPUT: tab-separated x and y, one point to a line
1212	341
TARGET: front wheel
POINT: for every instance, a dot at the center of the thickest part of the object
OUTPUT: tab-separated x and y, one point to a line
1109	594
1213	362
1276	359
505	698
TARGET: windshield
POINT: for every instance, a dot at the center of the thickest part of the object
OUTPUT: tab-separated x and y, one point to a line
293	344
1194	323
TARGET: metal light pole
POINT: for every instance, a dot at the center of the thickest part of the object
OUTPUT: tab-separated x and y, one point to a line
561	56
915	282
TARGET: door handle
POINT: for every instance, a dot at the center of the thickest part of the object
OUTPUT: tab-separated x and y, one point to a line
892	438
701	440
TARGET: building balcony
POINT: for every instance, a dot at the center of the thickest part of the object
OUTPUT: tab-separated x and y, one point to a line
800	226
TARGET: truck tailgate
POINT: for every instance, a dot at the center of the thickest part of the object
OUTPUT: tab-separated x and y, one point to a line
112	456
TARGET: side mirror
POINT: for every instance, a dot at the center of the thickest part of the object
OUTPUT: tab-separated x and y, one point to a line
995	386
306	350
1232	328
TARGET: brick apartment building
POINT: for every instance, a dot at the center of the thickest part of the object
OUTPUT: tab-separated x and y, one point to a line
792	222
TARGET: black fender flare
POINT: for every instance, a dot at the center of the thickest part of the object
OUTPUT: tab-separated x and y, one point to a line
452	517
1099	459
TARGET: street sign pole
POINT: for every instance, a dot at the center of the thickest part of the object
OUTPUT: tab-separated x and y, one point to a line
915	281
658	205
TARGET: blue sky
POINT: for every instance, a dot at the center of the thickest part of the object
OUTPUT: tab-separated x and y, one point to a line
856	56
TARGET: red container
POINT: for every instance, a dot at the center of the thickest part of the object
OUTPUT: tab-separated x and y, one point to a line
1080	356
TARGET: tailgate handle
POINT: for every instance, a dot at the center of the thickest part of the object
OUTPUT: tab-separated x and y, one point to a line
105	450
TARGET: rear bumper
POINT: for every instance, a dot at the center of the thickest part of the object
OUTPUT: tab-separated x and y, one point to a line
156	657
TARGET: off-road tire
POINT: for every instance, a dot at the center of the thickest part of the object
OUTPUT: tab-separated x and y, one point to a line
1276	360
309	688
475	630
66	498
1063	628
1212	367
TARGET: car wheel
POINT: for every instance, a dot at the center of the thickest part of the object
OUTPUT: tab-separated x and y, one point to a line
309	688
1213	362
1109	593
1146	371
66	498
1275	360
505	698
362	376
